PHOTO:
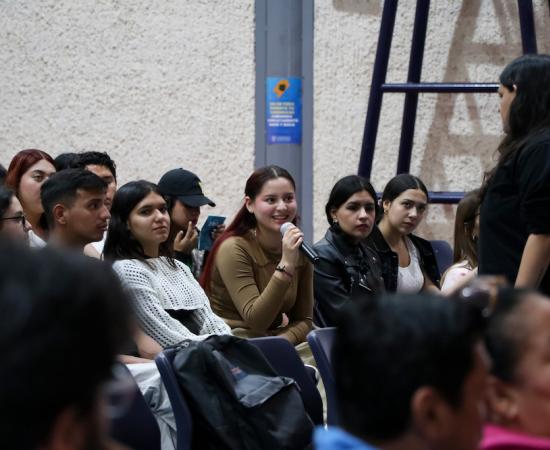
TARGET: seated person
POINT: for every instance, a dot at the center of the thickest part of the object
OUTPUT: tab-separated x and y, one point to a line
465	244
105	168
3	173
28	170
408	262
74	206
518	341
13	224
170	304
347	267
183	192
64	161
410	374
257	282
68	318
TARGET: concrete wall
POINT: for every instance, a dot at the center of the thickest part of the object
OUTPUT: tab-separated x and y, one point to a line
163	83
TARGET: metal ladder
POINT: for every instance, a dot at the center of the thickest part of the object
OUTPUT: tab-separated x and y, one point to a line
414	86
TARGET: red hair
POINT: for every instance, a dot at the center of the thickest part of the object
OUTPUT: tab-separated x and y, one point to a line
244	220
22	162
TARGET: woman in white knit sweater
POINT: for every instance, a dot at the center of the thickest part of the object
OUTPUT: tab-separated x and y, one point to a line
170	304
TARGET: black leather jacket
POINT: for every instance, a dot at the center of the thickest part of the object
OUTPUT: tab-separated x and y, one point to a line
344	272
390	261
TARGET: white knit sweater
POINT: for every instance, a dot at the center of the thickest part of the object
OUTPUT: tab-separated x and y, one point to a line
161	287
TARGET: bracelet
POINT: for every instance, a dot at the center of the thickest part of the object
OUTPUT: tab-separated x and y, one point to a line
282	269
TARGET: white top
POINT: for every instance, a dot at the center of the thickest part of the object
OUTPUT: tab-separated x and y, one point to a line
160	287
35	241
410	279
455	274
100	244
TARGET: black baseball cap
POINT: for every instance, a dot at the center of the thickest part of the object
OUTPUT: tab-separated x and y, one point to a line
185	186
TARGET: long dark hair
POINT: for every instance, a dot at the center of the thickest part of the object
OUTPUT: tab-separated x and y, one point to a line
465	247
401	183
344	189
244	220
120	243
529	112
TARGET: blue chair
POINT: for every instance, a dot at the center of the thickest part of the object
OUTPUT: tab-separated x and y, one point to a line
184	424
284	359
136	427
443	253
320	342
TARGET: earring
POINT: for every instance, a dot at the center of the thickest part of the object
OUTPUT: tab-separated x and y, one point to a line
335	221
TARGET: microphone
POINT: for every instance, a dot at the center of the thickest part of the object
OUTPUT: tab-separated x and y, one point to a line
308	252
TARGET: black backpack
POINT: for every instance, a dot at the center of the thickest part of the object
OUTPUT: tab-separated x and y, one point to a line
237	401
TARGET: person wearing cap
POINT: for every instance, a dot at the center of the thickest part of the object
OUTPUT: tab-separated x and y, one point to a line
183	192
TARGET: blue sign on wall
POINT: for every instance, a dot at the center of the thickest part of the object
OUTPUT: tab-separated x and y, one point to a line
284	110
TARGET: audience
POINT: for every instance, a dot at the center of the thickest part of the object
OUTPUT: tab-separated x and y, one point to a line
64	161
3	173
465	244
105	168
408	262
518	340
13	224
169	302
347	267
183	192
28	170
410	373
257	282
514	235
64	319
74	207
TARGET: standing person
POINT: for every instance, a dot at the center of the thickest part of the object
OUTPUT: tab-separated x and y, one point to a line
13	223
170	304
347	268
465	243
408	262
183	192
514	238
257	282
28	170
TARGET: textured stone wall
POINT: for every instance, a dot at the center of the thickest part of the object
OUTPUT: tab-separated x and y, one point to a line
157	84
160	84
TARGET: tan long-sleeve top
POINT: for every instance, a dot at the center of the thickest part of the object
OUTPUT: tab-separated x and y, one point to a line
244	292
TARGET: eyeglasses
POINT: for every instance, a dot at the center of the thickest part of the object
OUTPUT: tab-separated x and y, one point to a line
21	218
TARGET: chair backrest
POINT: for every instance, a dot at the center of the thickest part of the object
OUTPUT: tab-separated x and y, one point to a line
284	359
320	342
184	424
137	427
443	253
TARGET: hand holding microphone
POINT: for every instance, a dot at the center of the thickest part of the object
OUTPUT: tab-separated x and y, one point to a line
298	242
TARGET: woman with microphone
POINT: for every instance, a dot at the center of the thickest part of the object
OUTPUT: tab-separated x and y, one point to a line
260	284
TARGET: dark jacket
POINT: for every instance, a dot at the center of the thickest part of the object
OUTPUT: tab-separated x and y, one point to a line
345	270
390	261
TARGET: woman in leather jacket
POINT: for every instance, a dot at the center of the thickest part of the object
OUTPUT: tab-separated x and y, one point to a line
347	268
408	262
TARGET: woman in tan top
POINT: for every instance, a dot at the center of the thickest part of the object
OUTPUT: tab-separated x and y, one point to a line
257	282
